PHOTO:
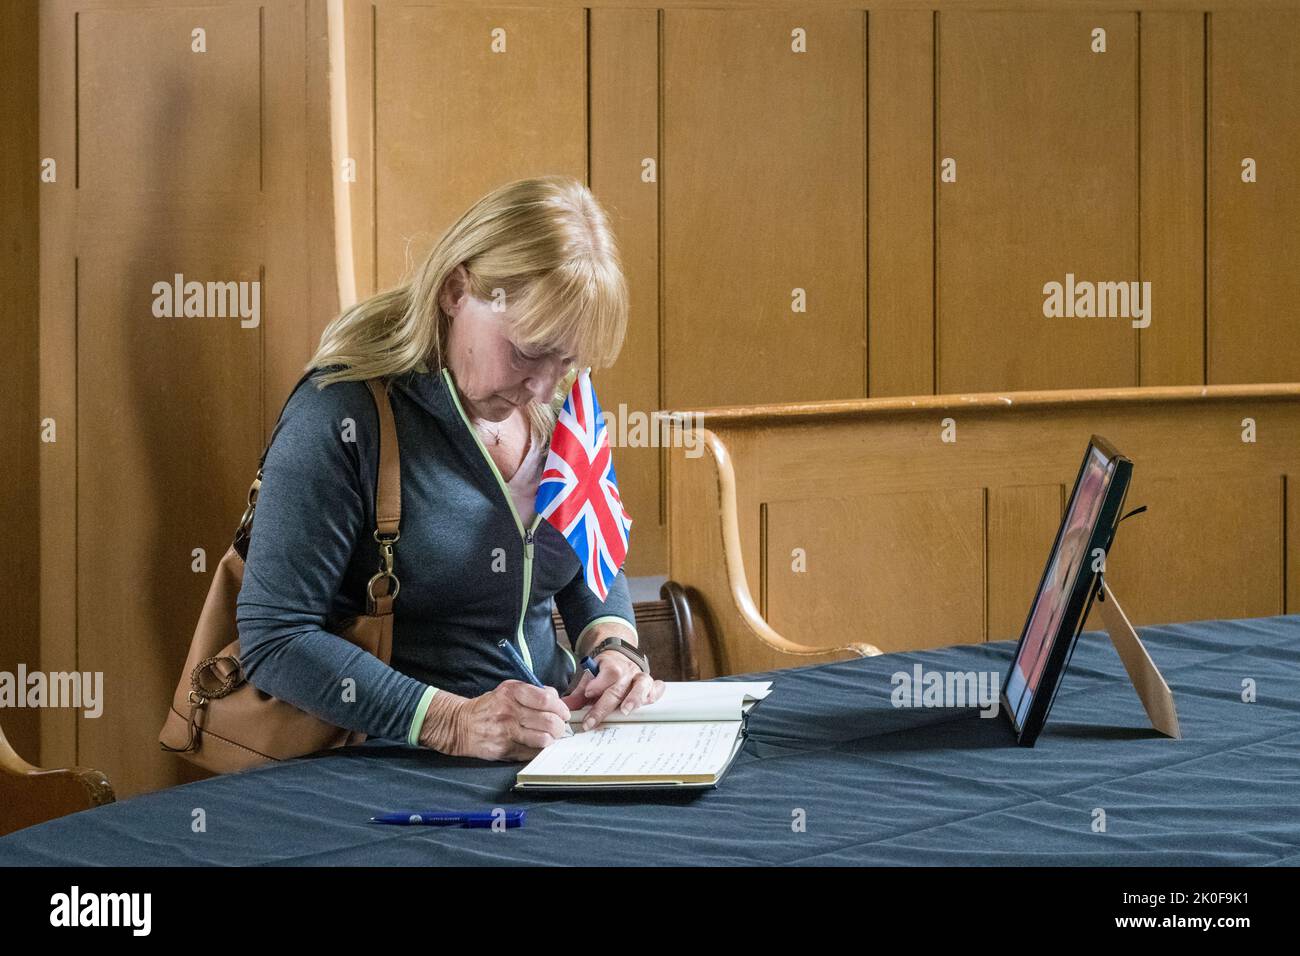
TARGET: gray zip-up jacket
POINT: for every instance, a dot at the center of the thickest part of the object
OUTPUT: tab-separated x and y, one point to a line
470	574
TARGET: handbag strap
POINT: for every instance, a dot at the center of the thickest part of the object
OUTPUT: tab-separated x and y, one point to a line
388	489
388	498
388	504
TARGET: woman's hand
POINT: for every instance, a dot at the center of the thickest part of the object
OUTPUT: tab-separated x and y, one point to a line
514	721
621	685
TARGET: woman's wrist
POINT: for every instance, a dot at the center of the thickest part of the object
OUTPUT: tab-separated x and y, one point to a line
594	635
444	723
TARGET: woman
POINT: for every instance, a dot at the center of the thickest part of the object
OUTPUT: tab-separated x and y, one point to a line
480	347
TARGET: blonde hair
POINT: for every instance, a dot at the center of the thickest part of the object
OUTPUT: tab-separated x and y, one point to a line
544	244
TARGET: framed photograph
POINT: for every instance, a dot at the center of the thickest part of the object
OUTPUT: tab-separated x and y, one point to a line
1067	588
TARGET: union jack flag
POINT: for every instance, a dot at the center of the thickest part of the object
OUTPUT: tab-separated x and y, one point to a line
578	494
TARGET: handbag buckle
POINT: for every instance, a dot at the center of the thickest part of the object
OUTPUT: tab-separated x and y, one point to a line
386	543
370	586
386	550
224	682
253	489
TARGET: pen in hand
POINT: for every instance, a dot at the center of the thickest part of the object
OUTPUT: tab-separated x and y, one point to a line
524	669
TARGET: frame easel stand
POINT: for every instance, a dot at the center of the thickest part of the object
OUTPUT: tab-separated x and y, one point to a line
1156	697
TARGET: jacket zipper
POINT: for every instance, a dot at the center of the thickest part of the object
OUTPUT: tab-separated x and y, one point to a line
525	533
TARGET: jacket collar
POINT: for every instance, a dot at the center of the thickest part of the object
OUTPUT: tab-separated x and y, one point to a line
431	390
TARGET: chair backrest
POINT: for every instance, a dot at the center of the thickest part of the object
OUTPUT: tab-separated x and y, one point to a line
665	633
30	795
806	525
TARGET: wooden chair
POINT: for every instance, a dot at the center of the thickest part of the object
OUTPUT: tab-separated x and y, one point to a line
666	633
30	795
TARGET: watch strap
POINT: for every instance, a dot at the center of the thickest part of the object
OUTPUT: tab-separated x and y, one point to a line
631	651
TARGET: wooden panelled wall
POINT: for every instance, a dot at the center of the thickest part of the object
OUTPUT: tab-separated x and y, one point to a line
19	312
774	175
863	200
214	166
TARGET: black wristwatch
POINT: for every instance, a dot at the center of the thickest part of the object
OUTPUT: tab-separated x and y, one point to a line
623	647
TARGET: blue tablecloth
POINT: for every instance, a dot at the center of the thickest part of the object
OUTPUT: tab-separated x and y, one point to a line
832	773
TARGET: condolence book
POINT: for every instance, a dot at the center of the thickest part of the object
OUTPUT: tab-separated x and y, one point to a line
687	738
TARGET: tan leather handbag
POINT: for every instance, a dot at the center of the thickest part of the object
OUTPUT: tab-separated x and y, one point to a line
223	723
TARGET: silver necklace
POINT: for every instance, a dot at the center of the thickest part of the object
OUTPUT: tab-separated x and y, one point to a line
496	435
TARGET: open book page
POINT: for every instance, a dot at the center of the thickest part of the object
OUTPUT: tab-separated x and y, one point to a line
676	749
691	700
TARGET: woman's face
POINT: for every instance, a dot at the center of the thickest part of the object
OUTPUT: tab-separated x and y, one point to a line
495	376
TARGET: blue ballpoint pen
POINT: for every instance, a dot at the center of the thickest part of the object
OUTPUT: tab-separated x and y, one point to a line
441	818
524	669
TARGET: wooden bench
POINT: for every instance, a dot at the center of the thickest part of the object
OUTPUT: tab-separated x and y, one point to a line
905	523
